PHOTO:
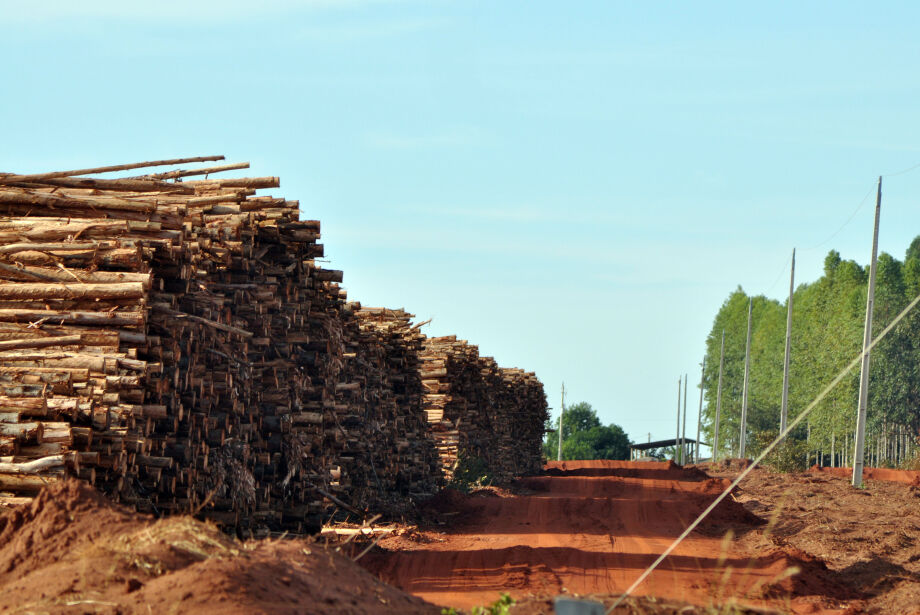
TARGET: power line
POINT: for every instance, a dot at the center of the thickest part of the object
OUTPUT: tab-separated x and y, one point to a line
907	170
863	202
844	225
779	276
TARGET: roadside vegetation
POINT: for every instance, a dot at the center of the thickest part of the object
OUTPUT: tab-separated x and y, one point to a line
827	329
584	437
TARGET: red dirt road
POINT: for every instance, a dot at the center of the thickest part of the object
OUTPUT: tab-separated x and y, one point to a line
592	527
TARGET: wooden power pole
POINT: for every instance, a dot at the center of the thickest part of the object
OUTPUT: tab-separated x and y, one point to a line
699	415
715	430
677	438
784	409
561	413
747	378
867	340
683	435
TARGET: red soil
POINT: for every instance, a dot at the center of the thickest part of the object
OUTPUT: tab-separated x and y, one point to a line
592	528
869	539
72	551
910	477
585	528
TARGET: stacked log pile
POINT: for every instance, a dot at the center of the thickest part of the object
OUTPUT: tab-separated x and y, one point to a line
522	403
172	340
388	457
480	413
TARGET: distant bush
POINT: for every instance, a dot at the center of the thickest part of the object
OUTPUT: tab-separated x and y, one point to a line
913	463
788	456
471	473
502	606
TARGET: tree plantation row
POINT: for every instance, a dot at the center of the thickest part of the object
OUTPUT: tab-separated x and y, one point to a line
828	319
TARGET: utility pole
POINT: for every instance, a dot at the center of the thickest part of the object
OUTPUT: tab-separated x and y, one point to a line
677	438
561	413
699	415
715	431
867	340
747	373
683	435
807	443
784	411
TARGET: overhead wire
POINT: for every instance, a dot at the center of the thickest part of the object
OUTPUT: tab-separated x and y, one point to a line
845	224
861	204
779	276
902	172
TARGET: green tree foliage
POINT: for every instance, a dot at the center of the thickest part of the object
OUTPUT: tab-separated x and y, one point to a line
584	437
827	327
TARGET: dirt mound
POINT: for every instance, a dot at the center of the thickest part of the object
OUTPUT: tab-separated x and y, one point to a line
625	469
733	464
868	539
908	477
801	574
728	514
72	551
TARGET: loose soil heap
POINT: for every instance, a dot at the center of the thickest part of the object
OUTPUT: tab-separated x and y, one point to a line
868	538
910	477
73	551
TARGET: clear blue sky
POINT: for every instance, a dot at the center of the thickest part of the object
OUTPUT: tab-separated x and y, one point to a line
576	187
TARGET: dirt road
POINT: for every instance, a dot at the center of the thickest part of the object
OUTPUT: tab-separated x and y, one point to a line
591	528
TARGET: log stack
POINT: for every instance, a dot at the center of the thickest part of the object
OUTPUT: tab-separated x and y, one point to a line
170	338
172	342
388	457
479	412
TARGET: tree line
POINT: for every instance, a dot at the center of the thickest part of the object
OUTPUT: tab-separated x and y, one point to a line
584	436
827	329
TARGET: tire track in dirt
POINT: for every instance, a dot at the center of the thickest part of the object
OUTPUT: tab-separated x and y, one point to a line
587	527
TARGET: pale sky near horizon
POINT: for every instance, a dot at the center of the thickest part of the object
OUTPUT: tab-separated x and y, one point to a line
574	187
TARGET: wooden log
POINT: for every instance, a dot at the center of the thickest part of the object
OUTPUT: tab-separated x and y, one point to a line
22	272
52	202
24	406
27	483
11	178
190	172
115	319
116	185
60	340
33	467
22	432
204	321
29	291
38	230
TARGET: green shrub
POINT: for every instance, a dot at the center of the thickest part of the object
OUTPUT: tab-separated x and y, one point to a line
471	473
788	456
913	463
502	606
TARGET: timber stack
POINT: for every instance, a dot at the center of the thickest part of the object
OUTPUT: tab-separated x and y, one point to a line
169	341
170	338
387	457
483	418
